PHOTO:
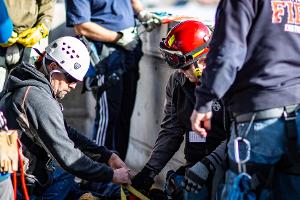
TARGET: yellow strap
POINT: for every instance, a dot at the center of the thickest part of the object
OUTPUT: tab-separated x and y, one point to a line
133	191
123	195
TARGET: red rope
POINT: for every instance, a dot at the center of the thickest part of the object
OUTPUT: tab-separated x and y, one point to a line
23	182
15	185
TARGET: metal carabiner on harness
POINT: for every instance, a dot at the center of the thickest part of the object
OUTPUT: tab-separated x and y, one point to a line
240	141
247	147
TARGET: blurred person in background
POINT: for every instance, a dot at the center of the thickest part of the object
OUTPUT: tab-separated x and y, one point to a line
8	158
6	28
111	27
31	23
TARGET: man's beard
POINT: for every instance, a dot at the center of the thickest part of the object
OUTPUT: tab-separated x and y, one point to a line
60	94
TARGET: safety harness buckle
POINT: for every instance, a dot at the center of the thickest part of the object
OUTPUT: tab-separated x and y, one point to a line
288	116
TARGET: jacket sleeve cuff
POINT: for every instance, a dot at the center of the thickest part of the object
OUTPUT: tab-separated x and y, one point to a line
106	175
203	107
105	154
110	175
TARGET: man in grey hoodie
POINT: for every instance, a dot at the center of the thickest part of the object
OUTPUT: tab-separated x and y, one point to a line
30	102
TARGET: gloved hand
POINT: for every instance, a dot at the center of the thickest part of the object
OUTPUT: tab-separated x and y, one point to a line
149	20
33	35
13	39
143	180
129	39
8	151
196	176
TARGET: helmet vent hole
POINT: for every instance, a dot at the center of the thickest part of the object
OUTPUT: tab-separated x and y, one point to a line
64	43
54	45
69	47
72	57
77	56
63	49
62	62
73	51
68	52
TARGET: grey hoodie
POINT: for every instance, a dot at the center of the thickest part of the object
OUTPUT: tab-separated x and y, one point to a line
72	151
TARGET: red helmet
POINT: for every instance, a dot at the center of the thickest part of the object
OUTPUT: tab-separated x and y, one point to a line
186	43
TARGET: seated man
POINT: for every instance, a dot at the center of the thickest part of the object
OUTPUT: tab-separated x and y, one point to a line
185	49
31	104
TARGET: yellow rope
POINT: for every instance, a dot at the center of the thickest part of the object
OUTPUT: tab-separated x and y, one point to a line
133	191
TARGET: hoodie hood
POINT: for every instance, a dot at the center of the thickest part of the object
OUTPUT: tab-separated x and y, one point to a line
27	75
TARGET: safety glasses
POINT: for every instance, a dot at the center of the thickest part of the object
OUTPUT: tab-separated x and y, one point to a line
176	59
70	79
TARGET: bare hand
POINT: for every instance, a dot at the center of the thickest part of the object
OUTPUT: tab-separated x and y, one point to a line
121	176
115	162
196	120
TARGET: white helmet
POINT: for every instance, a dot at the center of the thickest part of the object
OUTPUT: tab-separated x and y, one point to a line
71	54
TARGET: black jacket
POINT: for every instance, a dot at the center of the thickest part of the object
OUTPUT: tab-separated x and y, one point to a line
176	124
253	57
54	138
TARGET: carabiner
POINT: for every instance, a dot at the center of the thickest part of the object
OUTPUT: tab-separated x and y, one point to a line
241	162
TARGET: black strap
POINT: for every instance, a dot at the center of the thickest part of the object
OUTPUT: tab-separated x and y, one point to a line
291	131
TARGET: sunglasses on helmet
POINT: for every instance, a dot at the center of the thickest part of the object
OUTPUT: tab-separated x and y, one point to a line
177	60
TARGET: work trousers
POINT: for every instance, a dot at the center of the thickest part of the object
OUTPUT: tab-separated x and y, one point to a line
115	105
268	141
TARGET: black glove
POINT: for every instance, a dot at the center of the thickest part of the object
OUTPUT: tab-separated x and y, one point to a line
143	180
196	176
172	188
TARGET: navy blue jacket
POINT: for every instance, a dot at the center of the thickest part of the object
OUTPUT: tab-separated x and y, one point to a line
254	56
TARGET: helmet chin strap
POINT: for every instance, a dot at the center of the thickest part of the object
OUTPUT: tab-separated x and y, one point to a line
45	69
197	70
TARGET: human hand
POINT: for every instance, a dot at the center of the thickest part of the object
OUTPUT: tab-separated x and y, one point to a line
31	36
12	40
149	20
129	39
196	176
115	162
121	176
197	118
8	151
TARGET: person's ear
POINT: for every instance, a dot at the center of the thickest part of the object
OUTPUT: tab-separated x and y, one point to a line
53	65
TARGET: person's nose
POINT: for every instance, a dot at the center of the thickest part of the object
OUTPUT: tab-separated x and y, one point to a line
72	85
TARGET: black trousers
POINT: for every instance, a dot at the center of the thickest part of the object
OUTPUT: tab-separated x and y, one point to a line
115	105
